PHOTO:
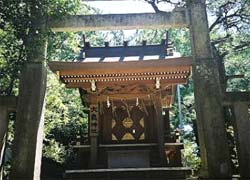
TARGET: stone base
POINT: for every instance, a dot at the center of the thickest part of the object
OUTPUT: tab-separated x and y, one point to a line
161	173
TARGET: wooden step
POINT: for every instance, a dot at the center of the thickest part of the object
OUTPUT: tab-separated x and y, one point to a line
157	173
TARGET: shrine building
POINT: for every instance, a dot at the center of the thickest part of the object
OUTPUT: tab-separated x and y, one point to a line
129	91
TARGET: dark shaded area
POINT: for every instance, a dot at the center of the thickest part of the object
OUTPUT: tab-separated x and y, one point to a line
51	169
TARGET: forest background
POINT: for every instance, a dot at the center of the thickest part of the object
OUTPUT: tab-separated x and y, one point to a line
65	116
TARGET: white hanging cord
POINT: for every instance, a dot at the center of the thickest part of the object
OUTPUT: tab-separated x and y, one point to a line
108	102
157	83
137	102
93	86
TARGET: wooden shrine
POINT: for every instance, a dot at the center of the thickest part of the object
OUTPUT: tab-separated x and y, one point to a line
129	90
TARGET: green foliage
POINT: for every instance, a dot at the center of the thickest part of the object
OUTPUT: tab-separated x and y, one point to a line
238	64
11	60
189	126
59	8
230	35
181	40
19	33
66	46
190	158
55	151
179	37
64	118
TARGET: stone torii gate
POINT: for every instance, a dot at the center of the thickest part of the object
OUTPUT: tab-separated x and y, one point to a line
208	95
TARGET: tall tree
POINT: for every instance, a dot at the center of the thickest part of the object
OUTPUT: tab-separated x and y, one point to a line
229	29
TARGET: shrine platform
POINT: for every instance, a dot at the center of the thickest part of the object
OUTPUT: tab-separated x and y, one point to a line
156	173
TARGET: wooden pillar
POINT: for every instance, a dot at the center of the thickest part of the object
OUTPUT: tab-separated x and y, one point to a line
208	97
242	132
166	121
93	120
160	128
93	151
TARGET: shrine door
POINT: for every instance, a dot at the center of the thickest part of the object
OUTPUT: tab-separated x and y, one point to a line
126	124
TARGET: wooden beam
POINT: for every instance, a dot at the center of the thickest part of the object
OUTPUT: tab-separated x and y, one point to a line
73	23
127	78
130	84
233	97
129	87
125	51
147	86
235	76
106	84
103	98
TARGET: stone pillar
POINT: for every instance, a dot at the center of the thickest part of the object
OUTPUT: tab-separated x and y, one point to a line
242	132
3	133
208	97
27	146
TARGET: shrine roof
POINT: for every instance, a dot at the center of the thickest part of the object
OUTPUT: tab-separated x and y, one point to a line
113	65
126	72
129	58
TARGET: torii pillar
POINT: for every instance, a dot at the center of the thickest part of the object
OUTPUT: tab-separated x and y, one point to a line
208	97
28	137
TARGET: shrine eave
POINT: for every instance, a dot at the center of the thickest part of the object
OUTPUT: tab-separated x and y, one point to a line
96	69
113	74
125	80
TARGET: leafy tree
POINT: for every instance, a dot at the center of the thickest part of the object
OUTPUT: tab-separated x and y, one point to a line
230	36
17	25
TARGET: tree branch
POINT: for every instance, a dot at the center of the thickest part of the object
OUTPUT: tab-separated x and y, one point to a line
154	6
154	3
